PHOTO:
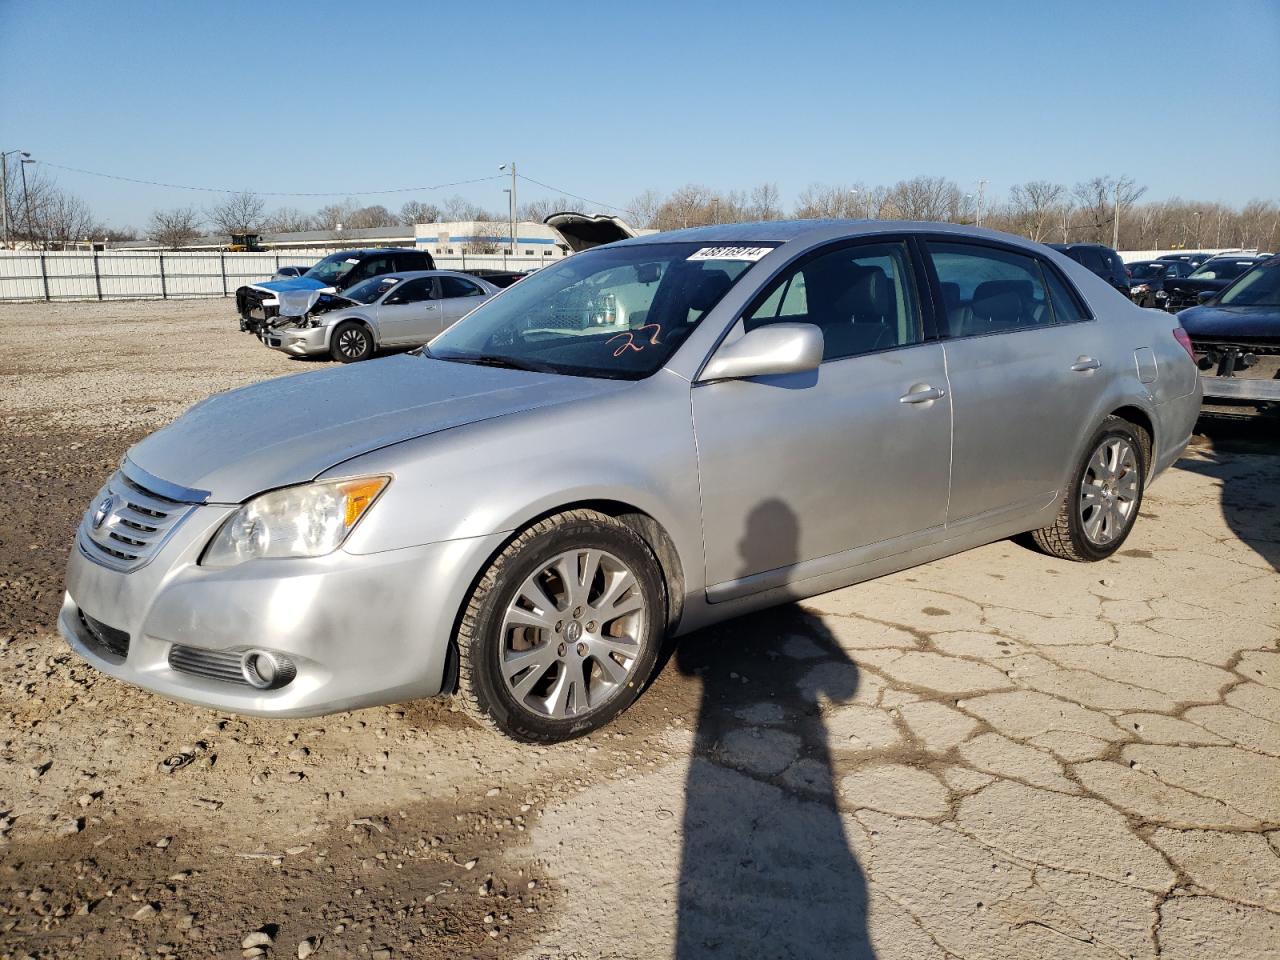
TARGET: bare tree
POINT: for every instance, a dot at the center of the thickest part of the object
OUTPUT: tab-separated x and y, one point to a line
924	198
240	213
174	228
459	208
365	218
643	210
289	220
538	210
765	203
415	212
1033	207
333	215
1099	198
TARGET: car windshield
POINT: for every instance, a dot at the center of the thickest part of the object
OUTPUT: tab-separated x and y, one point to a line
616	312
367	291
1221	269
1260	287
1147	271
332	268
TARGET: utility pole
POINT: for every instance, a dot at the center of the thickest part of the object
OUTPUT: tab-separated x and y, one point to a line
512	165
1115	221
982	186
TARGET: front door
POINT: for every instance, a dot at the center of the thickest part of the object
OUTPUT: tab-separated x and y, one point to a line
807	474
412	312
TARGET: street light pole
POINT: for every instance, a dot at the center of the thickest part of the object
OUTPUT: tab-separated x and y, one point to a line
504	166
26	197
4	191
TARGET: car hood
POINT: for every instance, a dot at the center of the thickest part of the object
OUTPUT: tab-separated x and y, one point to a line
1246	323
297	295
290	430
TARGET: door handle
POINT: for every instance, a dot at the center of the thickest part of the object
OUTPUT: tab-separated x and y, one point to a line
922	393
1085	364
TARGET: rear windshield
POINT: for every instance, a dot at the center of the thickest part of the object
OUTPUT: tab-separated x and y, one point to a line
1222	269
1147	271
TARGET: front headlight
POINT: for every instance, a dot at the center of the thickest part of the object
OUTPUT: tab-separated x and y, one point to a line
1139	288
304	521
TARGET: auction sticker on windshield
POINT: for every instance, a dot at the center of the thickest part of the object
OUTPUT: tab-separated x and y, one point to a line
730	253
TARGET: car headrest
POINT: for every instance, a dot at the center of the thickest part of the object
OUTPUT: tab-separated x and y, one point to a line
990	288
950	295
708	289
869	298
998	307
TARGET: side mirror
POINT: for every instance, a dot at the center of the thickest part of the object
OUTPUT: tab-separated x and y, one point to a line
1204	296
774	349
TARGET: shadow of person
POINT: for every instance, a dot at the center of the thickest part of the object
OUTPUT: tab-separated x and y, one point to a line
766	868
1248	467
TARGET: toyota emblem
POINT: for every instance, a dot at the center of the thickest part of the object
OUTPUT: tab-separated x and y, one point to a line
104	510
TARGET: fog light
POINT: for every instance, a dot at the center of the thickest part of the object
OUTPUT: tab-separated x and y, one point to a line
266	670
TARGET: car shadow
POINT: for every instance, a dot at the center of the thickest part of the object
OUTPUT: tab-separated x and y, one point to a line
766	866
1244	456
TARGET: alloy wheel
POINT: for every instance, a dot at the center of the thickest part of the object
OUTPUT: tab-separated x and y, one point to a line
1109	491
353	343
572	634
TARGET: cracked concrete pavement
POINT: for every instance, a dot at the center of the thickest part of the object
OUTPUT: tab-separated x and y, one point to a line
998	754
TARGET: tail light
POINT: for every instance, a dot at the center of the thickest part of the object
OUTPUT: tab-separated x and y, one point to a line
1181	336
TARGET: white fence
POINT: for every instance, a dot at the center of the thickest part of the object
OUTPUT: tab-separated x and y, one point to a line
152	275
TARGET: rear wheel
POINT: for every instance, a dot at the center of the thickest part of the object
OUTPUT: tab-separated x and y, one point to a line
563	629
1104	496
351	342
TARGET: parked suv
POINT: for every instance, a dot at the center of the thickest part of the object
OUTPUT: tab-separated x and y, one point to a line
1101	260
258	303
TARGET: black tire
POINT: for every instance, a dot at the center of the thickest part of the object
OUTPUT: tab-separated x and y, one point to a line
351	342
483	636
1067	537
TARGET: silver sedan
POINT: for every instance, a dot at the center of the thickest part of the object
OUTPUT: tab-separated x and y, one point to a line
643	439
396	310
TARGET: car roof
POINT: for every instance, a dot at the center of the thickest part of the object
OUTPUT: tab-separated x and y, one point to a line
419	274
805	231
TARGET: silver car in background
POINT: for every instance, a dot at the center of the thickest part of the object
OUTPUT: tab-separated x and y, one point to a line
396	310
640	440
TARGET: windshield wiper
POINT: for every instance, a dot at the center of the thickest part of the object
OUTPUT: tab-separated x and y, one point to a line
495	360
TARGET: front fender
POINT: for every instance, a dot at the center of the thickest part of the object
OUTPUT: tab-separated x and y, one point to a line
634	447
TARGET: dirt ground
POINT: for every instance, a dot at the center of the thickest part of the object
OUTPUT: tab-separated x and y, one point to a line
995	755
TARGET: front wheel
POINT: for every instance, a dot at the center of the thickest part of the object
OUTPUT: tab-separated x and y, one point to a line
1104	496
351	342
563	629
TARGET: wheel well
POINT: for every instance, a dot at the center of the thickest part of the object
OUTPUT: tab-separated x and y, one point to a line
649	530
1138	418
373	334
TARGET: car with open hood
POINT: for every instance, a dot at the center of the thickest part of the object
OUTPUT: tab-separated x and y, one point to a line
1236	337
260	303
394	310
642	439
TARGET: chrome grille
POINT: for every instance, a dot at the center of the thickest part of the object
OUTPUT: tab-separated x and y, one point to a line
128	523
212	664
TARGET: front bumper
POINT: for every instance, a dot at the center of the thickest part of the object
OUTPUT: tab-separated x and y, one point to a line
361	630
296	341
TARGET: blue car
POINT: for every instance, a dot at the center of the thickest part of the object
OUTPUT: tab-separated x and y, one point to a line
260	303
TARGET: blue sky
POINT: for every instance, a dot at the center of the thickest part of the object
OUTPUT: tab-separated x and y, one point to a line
606	100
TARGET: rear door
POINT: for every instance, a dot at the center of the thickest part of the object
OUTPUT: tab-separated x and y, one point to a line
459	297
809	474
411	313
1026	366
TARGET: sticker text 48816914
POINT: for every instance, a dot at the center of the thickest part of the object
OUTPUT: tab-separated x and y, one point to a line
730	253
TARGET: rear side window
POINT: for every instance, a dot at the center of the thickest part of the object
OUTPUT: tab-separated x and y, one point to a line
457	287
989	290
1067	306
863	297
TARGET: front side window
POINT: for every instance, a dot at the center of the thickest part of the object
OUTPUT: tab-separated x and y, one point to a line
414	291
862	297
617	312
989	290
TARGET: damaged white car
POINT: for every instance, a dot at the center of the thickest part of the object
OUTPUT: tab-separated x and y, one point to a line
401	310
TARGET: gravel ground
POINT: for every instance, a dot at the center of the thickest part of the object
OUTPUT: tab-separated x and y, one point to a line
994	755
